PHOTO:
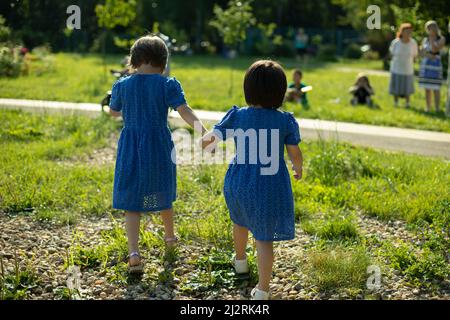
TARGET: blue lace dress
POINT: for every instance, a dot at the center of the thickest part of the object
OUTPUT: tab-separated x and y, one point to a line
145	175
261	201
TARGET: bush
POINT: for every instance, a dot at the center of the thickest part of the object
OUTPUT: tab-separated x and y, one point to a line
10	62
417	265
5	32
45	60
353	51
285	49
371	55
327	53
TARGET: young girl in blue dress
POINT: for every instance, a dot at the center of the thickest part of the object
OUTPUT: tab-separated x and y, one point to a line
260	201
145	174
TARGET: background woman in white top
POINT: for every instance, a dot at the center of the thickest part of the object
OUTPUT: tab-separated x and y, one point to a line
404	50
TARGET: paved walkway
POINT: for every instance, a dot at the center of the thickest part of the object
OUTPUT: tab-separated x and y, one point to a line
389	138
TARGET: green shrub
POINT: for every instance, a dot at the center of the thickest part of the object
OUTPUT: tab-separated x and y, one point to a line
327	53
284	49
371	55
418	265
10	62
353	51
5	31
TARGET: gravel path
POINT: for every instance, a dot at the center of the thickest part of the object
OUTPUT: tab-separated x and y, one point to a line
44	246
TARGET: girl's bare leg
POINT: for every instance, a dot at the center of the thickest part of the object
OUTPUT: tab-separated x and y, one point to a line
167	218
407	101
428	99
437	99
396	101
132	222
265	264
240	237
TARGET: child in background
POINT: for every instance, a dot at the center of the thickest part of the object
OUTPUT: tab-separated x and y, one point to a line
294	92
145	174
261	203
362	91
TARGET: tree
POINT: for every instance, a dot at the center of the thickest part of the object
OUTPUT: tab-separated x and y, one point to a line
111	14
232	24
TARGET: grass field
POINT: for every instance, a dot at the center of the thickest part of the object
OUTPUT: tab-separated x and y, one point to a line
347	199
206	81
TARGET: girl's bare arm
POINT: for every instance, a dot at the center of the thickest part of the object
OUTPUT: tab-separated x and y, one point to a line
115	113
296	157
188	115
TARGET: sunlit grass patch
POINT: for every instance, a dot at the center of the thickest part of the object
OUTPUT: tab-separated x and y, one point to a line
35	177
338	226
338	268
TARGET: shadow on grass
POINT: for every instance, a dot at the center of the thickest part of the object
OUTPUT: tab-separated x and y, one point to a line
432	114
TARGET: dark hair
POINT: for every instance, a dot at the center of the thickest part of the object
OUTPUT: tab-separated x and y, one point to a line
149	50
299	72
363	76
265	84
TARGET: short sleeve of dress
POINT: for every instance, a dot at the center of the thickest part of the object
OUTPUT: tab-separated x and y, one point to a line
116	99
293	131
227	122
174	94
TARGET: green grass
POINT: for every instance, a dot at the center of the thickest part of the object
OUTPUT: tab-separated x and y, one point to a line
334	226
423	266
206	81
44	175
338	269
214	271
18	284
39	172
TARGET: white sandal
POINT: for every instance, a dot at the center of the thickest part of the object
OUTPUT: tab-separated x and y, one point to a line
240	266
257	294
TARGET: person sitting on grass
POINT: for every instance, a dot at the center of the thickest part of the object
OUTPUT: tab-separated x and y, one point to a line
260	200
294	91
145	174
362	91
